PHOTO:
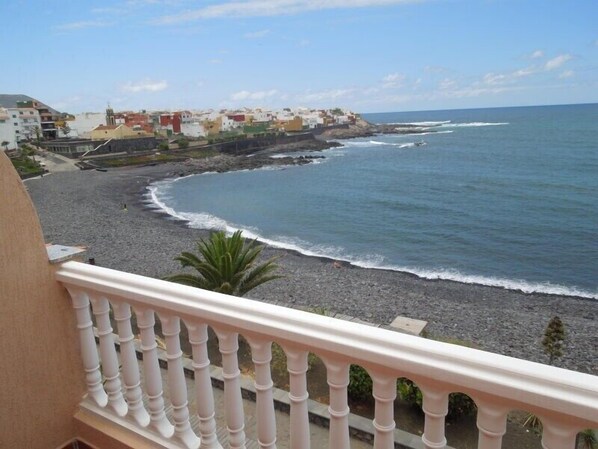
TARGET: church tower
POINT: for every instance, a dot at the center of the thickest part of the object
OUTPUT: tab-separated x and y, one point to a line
110	120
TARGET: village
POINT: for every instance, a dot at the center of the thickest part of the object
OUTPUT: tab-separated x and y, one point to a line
24	119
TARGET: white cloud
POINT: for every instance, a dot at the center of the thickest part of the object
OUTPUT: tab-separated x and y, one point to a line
145	85
566	74
259	95
495	78
557	62
256	34
83	25
393	80
447	84
537	54
215	61
326	95
268	8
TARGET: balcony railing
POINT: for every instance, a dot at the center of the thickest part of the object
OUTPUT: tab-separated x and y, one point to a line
565	401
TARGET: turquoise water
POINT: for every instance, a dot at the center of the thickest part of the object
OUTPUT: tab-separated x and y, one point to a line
505	197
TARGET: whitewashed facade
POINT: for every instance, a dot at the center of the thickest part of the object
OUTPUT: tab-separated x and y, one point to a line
84	123
7	131
193	129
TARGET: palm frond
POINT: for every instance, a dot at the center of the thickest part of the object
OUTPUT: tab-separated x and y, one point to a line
226	265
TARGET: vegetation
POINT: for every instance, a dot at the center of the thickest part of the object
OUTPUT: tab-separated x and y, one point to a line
183	142
25	165
554	338
5	144
360	384
587	439
156	158
459	404
163	146
225	265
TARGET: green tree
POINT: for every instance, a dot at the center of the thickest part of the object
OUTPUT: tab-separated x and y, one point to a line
226	265
5	144
554	338
38	135
588	439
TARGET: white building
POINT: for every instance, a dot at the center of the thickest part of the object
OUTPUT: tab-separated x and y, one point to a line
194	129
7	131
19	124
84	123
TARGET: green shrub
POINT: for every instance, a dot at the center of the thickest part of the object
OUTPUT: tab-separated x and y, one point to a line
360	384
183	143
163	146
459	404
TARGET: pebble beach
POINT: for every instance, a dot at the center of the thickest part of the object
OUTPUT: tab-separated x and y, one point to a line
88	208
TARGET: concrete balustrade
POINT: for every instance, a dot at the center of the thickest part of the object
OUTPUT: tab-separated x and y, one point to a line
566	401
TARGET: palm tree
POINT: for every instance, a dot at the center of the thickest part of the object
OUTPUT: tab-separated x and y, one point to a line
588	439
225	265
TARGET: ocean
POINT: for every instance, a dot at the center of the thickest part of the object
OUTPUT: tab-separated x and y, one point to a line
505	197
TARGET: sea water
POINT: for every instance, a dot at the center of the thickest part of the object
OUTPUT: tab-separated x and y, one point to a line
504	197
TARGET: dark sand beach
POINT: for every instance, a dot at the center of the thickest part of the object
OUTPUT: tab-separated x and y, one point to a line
86	208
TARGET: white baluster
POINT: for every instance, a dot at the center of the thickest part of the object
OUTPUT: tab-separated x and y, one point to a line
177	385
435	406
261	354
557	435
297	367
204	397
112	385
338	380
152	374
235	417
492	424
89	350
130	366
384	392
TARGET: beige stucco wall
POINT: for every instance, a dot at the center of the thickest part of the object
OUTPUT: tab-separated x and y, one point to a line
41	377
121	132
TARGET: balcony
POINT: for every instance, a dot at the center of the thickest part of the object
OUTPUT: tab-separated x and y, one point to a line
62	371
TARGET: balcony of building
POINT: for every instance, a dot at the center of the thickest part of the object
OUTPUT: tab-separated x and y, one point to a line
74	367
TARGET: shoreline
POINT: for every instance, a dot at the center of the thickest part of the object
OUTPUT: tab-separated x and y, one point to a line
156	208
144	240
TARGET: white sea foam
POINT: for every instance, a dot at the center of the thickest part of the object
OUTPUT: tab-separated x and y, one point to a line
471	125
509	284
426	124
448	131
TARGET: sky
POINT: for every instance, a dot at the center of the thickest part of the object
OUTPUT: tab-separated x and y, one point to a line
364	55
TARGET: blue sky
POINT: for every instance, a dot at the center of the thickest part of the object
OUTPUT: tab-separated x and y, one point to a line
366	55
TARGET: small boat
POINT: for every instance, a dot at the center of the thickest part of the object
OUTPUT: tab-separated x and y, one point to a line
421	143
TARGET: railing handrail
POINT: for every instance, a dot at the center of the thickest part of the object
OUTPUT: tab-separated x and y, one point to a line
522	384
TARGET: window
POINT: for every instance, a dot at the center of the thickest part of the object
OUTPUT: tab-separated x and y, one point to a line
16	124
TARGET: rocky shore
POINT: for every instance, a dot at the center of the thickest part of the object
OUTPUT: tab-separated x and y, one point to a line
86	208
362	128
